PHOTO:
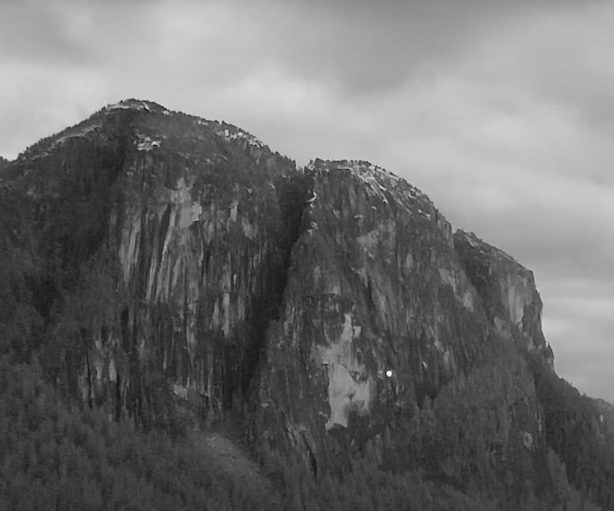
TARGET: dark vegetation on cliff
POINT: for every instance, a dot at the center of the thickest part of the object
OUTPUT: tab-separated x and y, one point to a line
188	321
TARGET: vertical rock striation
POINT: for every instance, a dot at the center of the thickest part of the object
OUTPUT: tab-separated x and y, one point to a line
378	313
184	224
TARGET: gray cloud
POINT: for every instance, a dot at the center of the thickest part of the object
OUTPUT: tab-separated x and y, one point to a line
370	47
33	32
580	314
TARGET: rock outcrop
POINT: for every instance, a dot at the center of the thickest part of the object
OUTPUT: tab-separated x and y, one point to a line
182	225
507	291
376	299
380	312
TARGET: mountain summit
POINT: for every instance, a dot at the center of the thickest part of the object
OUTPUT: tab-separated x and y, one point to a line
172	271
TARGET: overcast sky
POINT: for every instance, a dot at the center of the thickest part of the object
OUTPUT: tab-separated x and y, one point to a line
501	111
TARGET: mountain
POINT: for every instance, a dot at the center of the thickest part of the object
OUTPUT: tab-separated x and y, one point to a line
319	332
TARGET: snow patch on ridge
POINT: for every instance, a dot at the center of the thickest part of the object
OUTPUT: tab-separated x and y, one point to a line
384	186
230	135
135	104
79	133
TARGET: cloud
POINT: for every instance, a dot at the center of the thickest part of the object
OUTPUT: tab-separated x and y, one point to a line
365	48
562	58
580	315
35	32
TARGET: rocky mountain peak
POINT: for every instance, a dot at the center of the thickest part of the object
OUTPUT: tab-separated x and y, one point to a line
376	178
136	104
222	129
376	192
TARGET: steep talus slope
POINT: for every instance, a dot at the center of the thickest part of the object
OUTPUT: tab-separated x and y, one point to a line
173	270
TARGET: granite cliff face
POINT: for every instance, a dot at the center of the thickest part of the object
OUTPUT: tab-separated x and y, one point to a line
508	292
376	303
168	262
166	244
381	312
